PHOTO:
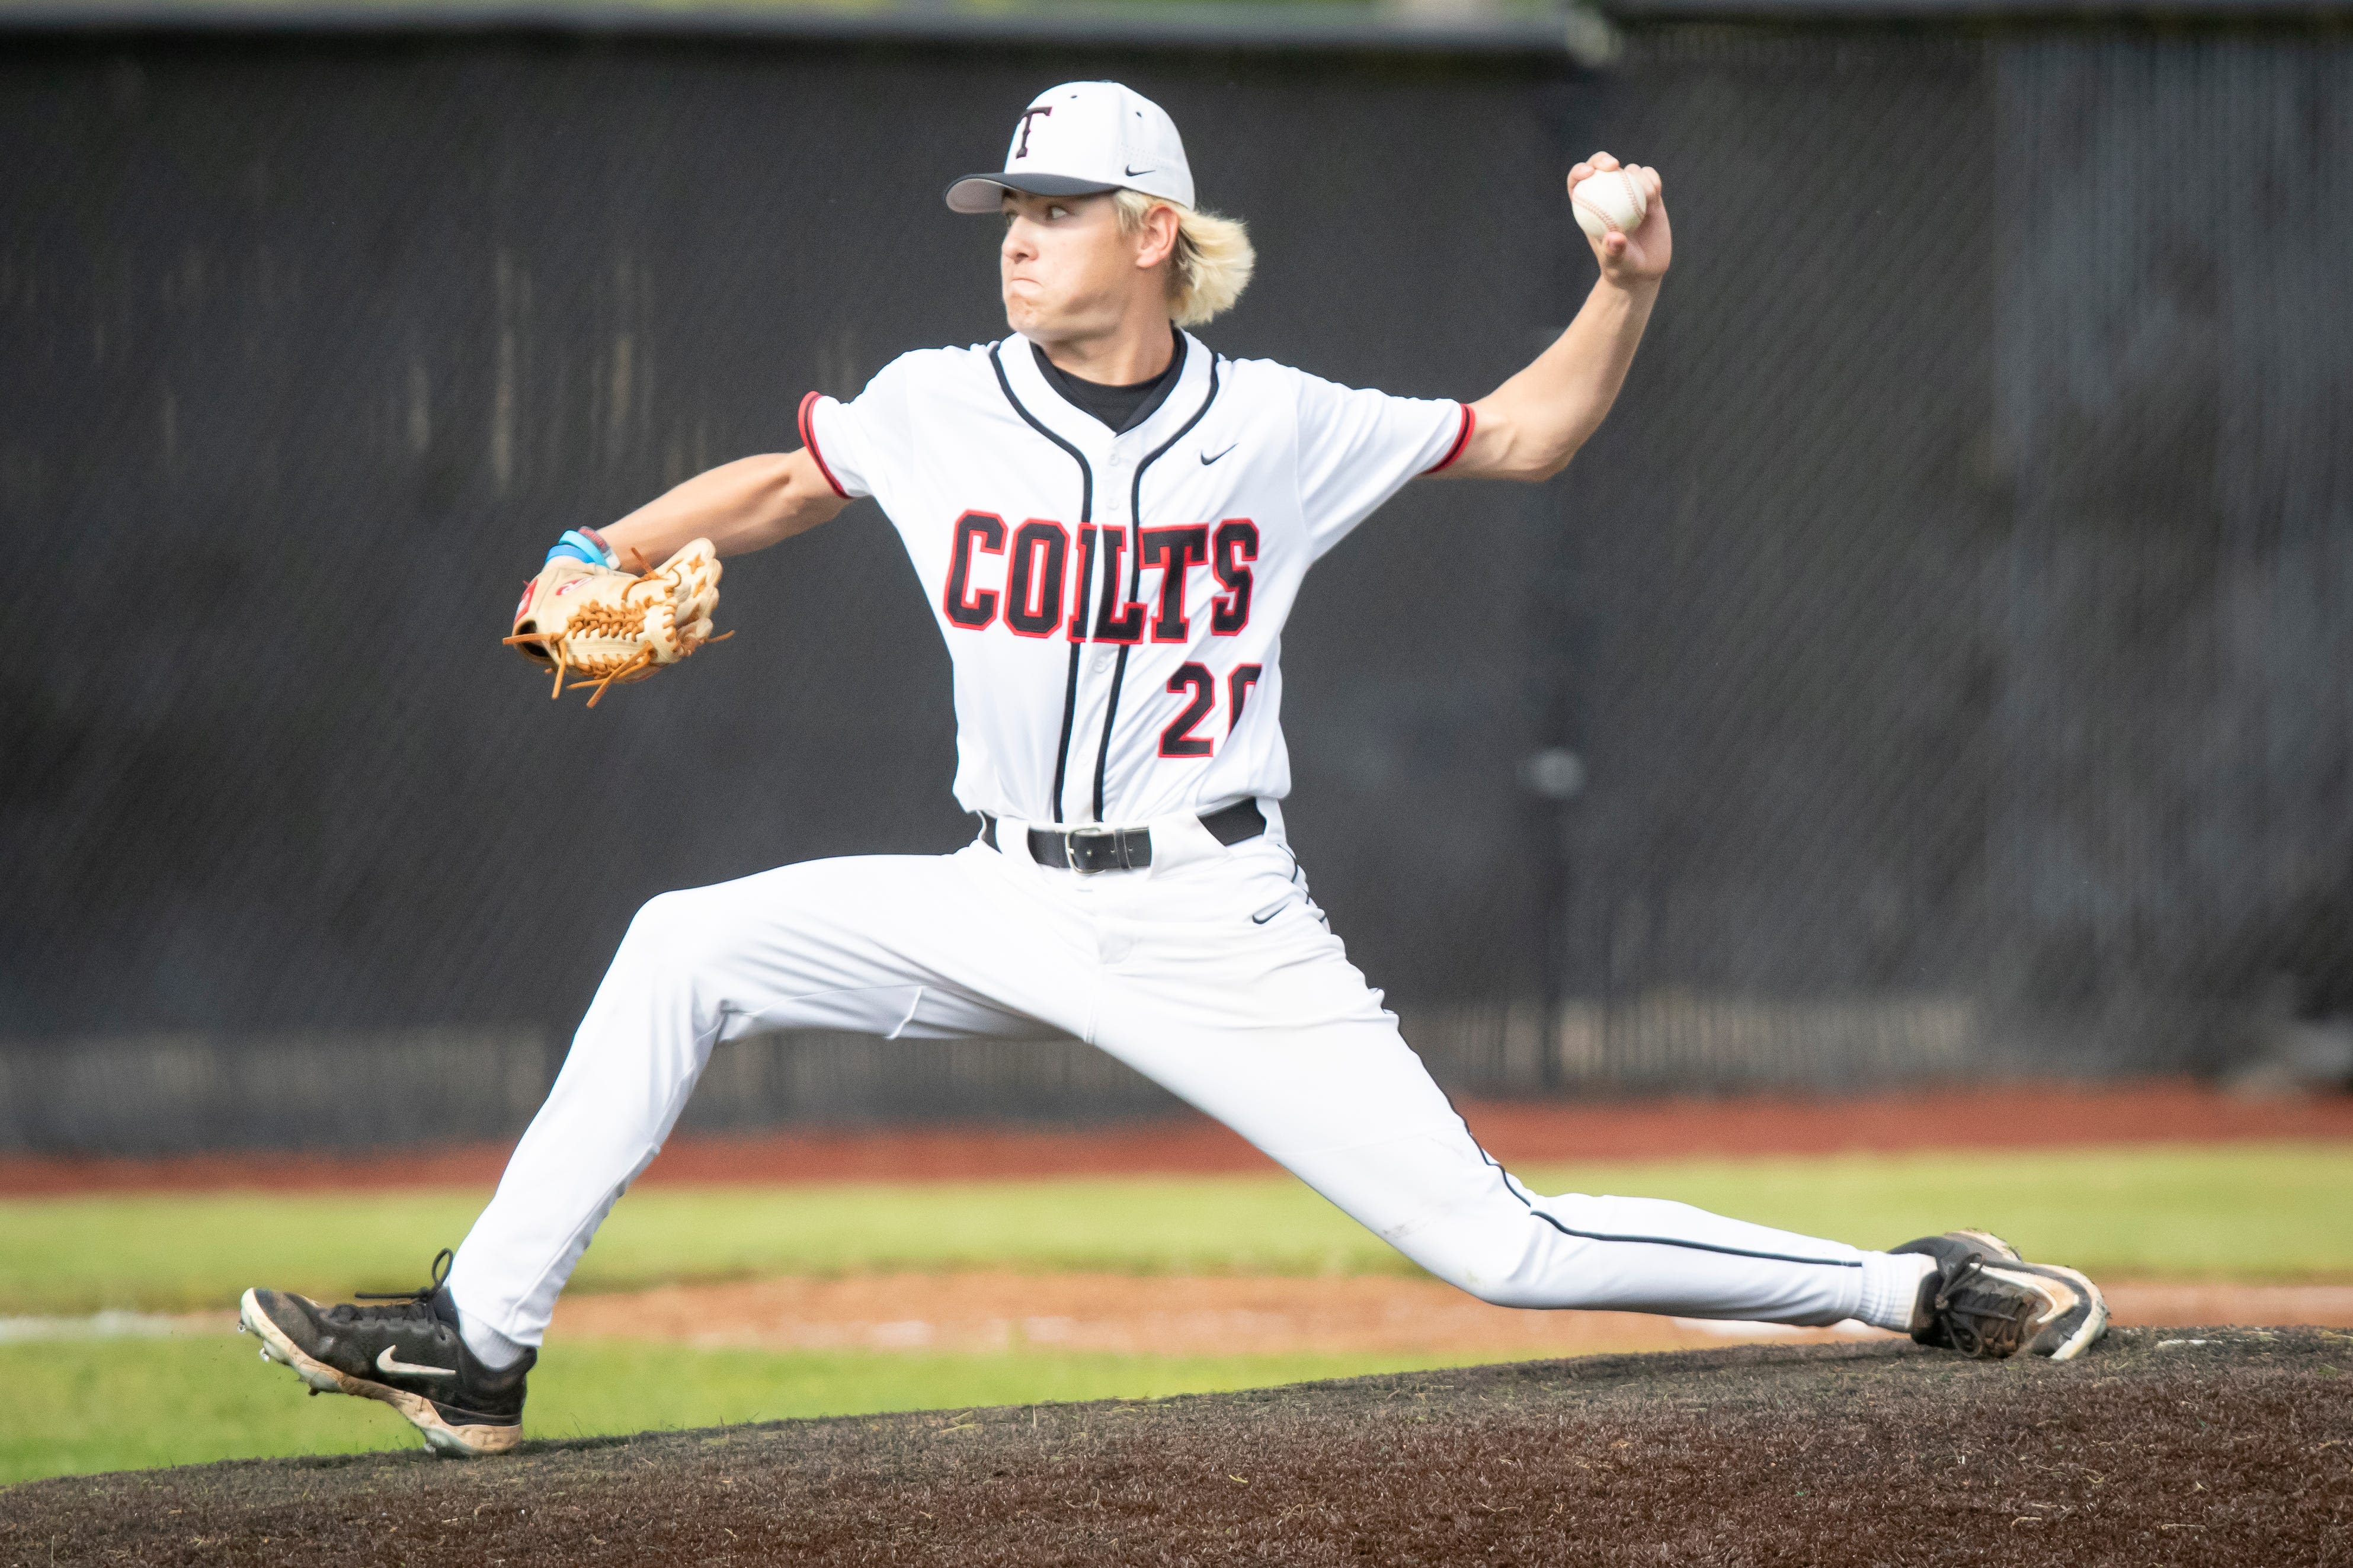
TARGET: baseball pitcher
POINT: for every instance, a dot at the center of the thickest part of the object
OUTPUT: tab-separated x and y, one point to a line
1110	519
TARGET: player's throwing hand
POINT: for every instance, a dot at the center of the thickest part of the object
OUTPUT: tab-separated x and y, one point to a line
1630	252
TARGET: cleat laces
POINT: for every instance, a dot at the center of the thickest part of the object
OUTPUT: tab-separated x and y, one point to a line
412	1303
1982	1323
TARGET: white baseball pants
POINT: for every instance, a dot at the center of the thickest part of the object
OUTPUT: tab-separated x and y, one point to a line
1211	971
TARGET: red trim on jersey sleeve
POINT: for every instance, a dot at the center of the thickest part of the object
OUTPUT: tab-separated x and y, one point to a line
808	440
1461	439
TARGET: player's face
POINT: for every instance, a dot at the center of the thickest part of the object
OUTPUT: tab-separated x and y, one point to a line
1067	269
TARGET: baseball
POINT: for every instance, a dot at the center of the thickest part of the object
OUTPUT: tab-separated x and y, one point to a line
1611	199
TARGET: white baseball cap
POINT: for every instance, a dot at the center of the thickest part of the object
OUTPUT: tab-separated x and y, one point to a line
1081	139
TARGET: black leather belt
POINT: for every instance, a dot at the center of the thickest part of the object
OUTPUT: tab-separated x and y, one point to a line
1087	851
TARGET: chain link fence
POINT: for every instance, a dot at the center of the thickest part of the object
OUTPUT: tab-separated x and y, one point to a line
1966	592
1935	669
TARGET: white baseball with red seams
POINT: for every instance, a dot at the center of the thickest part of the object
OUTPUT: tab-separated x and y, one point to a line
1112	605
1610	199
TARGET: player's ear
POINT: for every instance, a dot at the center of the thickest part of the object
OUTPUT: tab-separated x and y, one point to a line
1156	236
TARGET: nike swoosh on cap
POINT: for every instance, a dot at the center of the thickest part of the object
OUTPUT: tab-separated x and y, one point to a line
1132	173
387	1361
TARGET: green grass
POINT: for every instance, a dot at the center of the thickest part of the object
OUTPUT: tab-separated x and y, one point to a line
77	1407
2274	1211
2268	1211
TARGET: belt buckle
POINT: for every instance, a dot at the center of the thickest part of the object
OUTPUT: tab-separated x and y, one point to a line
1084	862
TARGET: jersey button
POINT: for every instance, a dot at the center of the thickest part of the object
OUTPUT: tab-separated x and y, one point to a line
1102	660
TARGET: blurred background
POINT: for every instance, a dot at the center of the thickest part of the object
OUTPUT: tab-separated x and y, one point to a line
1935	669
1931	682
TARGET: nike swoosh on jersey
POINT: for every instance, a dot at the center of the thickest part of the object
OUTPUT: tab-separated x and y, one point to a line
387	1361
1206	459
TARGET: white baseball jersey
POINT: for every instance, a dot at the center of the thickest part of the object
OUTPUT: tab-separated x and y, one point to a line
1114	604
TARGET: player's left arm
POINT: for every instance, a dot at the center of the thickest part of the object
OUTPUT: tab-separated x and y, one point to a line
1529	427
745	505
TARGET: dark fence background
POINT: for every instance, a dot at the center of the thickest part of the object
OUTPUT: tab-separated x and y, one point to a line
1935	668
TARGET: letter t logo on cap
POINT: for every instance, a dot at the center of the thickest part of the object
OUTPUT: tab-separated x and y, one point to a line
1081	139
1021	150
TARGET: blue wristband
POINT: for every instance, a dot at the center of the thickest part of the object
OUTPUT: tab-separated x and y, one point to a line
585	547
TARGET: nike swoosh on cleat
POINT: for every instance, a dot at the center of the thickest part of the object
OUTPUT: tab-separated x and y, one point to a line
387	1361
1207	460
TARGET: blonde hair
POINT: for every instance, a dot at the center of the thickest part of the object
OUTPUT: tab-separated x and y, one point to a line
1213	260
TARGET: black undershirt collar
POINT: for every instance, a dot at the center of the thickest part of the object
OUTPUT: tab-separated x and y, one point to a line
1121	407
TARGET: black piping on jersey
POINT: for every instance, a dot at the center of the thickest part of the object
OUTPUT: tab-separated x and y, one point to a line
1512	1187
1135	577
1086	515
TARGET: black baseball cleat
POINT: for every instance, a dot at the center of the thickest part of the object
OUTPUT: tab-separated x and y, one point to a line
1984	1300
407	1355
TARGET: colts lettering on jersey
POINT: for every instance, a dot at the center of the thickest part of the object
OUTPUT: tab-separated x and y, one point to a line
1047	570
1035	599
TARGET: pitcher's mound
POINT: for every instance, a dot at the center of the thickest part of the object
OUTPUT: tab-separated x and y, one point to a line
2163	1446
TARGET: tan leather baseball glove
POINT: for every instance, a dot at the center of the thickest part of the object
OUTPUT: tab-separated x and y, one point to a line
593	623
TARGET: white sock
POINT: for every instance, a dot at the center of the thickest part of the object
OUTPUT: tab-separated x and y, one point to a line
491	1348
1890	1287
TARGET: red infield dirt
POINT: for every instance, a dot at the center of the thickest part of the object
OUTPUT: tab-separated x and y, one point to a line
1217	1316
1521	1132
2161	1446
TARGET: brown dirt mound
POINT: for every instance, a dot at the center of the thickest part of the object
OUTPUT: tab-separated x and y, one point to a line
1518	1131
2215	1447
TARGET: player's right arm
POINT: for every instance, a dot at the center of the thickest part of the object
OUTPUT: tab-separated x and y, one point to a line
745	505
1529	427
